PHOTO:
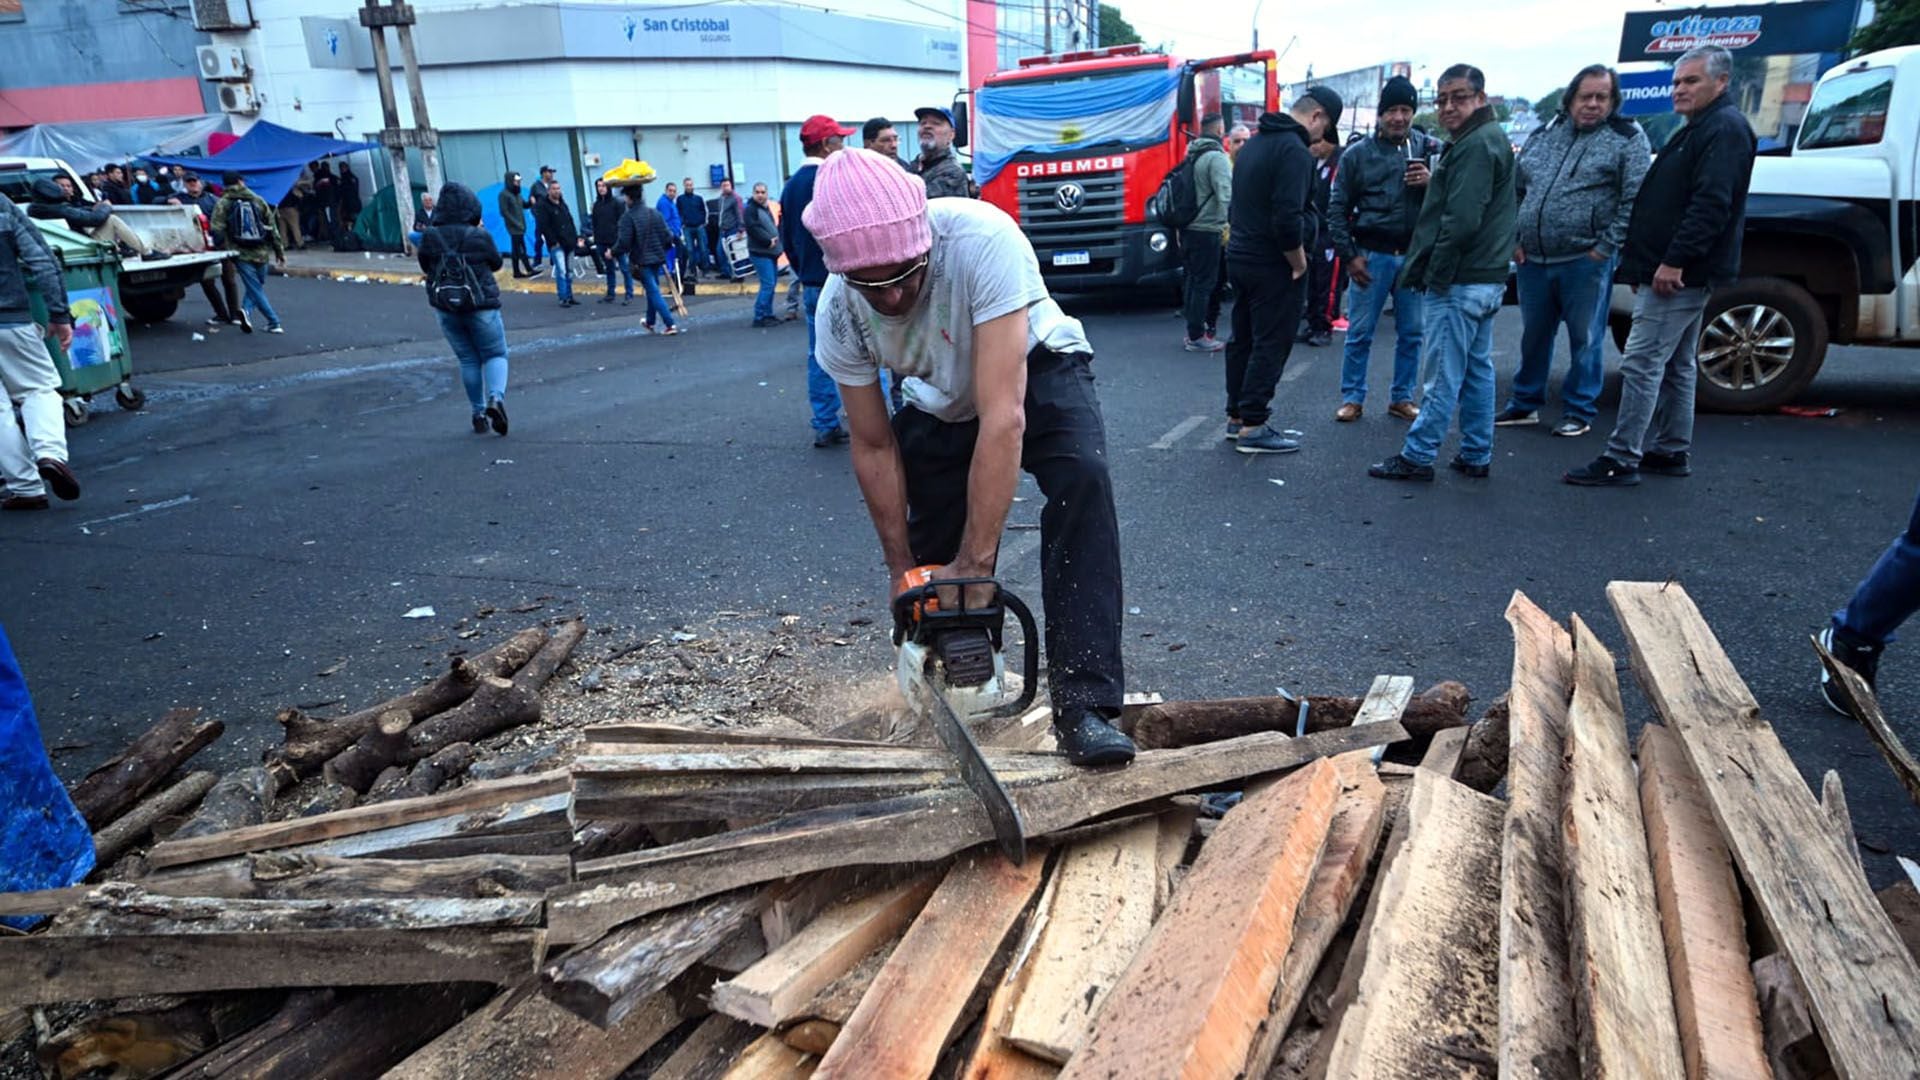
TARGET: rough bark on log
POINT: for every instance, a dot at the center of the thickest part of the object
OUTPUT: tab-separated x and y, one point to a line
387	783
435	772
113	788
496	705
1483	764
359	765
114	840
551	655
1189	723
240	798
326	799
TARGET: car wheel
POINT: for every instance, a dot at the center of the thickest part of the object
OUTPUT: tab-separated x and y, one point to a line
150	307
1761	342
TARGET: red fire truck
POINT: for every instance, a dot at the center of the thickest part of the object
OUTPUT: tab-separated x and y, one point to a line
1075	147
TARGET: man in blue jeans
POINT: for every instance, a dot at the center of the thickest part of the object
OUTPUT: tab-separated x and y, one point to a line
1888	597
1577	178
693	225
1459	258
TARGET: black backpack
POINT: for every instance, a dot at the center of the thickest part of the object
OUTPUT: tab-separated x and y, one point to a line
1180	194
244	225
453	286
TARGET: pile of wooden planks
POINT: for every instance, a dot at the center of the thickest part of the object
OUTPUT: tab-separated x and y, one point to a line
687	901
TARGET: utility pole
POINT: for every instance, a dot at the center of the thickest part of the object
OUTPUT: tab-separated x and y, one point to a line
376	17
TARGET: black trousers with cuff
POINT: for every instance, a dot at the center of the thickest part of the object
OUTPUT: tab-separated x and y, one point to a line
1266	315
1065	450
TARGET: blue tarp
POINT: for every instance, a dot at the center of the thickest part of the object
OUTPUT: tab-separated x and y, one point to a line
269	156
44	842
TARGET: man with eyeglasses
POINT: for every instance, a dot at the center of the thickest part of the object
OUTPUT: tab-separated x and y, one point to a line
948	294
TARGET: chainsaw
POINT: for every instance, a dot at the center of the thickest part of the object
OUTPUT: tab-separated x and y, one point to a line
951	671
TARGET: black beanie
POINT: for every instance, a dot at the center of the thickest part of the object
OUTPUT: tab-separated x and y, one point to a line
1399	91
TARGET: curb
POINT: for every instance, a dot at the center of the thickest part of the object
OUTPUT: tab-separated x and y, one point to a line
541	287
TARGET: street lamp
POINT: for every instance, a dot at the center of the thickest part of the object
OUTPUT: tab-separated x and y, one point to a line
1256	24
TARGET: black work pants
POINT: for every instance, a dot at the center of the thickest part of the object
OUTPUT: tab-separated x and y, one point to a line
225	300
1266	309
1065	449
517	244
1200	251
1321	301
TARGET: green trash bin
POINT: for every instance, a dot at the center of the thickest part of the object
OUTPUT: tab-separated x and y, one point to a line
100	357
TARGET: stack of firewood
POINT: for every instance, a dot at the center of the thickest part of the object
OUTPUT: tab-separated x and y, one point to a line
691	899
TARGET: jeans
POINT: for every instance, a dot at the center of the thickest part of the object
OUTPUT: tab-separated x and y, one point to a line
1200	249
28	376
695	243
619	264
1365	303
253	278
1891	592
1657	375
1266	309
562	274
822	394
765	269
1065	449
1459	343
1573	293
479	340
650	281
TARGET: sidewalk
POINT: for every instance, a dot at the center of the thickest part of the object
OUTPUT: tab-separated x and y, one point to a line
395	269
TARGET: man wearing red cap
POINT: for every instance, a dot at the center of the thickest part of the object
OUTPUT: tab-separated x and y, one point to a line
819	137
997	378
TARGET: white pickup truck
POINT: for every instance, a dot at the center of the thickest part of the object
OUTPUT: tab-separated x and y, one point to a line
1831	246
149	291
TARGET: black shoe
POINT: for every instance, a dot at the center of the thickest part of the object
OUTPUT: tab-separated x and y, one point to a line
24	502
607	299
497	415
58	478
626	301
1603	471
1515	416
824	439
1091	739
769	321
1666	464
1320	340
1399	468
1461	465
246	324
480	423
1863	659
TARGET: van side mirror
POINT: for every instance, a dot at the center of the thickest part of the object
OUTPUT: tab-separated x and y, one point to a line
1184	102
960	122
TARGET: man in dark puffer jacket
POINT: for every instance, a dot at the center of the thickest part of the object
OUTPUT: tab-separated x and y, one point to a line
459	259
644	241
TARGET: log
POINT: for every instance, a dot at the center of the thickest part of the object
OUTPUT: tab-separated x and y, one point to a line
324	1033
113	788
710	1051
290	875
554	653
906	1019
1623	997
327	798
429	776
1190	723
1862	984
116	839
241	798
1194	998
523	1035
1483	763
913	828
497	704
1793	1046
1865	707
360	764
391	779
1538	1036
1703	927
604	982
1419	995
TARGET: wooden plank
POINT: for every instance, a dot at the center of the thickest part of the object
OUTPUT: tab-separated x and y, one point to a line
1443	753
768	1058
120	908
1793	1046
295	875
1195	996
710	1051
1862	985
819	1023
602	760
916	828
906	1018
1703	927
1623	997
522	1035
992	1057
1101	911
1176	833
357	820
1537	1032
604	981
1833	803
1419	993
1865	707
642	733
773	991
320	1033
719	796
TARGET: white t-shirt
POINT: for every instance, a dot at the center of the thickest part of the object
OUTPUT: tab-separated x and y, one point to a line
981	268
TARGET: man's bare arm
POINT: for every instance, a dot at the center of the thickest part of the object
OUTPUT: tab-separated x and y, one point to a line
876	465
1000	396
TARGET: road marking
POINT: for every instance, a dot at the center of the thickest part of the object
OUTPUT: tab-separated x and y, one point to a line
1295	372
1180	431
145	509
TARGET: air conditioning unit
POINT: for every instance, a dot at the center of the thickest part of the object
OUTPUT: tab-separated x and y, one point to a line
222	62
223	14
238	97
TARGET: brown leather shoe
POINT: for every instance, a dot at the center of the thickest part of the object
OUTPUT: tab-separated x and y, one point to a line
58	478
1348	412
24	502
1405	410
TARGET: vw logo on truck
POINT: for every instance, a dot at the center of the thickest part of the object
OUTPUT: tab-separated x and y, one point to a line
1069	197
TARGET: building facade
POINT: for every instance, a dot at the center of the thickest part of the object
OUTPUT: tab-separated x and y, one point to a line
65	61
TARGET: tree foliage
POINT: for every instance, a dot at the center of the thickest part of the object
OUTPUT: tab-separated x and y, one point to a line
1549	102
1115	29
1895	22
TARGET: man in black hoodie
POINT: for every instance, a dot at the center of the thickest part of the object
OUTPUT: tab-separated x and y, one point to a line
553	221
1270	224
604	216
513	215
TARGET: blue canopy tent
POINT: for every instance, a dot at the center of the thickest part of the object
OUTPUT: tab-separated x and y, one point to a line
269	156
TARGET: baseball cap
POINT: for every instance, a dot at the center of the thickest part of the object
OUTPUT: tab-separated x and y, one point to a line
549	168
1329	100
819	128
934	110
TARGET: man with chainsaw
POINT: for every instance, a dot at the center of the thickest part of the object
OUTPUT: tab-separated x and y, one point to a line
948	294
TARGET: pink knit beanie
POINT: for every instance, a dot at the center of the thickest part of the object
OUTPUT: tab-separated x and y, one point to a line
867	211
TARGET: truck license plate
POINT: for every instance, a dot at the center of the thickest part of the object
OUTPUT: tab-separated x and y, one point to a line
1071	258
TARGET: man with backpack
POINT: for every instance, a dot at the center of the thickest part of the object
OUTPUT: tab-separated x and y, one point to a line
247	223
459	259
1197	194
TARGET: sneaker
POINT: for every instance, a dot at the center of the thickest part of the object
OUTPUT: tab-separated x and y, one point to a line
497	414
1320	340
1863	659
25	502
1264	440
218	321
480	425
538	271
1203	345
765	322
1339	326
1571	428
608	299
1404	410
276	328
245	324
824	439
58	478
1603	471
1463	466
1093	740
1666	464
1515	416
1399	468
1234	428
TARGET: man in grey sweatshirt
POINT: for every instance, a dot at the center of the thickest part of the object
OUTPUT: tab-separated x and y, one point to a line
1578	177
1203	240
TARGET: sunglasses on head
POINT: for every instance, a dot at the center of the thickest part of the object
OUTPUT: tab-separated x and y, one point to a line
877	286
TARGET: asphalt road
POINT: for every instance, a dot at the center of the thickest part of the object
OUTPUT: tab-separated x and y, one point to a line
269	516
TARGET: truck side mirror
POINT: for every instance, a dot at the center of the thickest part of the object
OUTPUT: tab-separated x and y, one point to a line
960	124
1184	102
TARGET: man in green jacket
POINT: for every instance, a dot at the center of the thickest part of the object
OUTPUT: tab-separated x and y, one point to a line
1203	241
1458	260
247	223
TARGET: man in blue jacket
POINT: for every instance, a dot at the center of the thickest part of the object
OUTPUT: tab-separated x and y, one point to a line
819	137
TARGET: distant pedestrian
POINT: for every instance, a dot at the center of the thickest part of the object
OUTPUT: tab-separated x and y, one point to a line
1578	177
879	136
1271	223
605	217
146	192
693	229
553	222
1371	209
763	247
247	223
1859	632
1459	258
732	222
1683	240
1203	240
114	188
1323	263
224	300
513	215
459	259
350	204
644	240
33	449
538	196
938	166
1236	138
820	138
669	207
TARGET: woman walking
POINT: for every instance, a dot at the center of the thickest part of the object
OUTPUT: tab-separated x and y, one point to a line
763	247
459	259
643	241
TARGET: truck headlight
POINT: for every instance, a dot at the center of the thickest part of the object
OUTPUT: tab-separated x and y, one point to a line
1157	243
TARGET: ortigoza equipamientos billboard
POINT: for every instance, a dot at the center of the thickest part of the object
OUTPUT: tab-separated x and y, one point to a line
1756	29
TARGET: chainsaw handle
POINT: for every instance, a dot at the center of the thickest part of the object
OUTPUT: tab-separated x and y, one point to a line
1029	684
